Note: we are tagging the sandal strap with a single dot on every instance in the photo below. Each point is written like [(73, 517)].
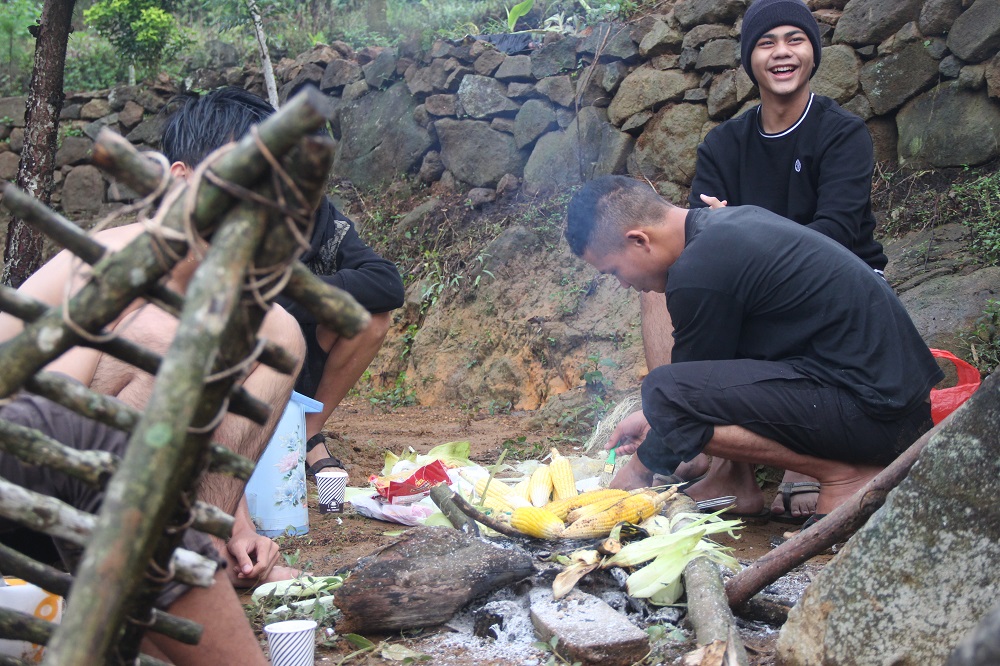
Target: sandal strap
[(322, 464), (314, 441)]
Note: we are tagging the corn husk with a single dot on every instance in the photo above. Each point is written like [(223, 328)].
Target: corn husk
[(665, 570)]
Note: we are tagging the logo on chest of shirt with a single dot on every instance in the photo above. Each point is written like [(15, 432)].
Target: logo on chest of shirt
[(798, 166)]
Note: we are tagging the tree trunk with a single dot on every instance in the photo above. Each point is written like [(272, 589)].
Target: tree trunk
[(265, 55), (23, 252), (375, 15)]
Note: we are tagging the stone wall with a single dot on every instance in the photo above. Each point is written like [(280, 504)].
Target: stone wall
[(633, 98)]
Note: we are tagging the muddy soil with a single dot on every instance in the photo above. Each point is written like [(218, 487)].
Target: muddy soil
[(360, 437)]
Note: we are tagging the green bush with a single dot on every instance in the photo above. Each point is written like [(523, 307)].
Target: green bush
[(91, 63), (16, 45), (979, 201)]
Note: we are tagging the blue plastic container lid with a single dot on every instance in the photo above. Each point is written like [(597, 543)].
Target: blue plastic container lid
[(309, 405)]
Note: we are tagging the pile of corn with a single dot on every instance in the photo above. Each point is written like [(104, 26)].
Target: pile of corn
[(547, 505)]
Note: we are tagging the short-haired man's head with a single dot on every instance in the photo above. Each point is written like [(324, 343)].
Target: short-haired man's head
[(606, 208), (200, 124), (764, 15)]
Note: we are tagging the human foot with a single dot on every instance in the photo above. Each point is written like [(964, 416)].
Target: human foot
[(632, 475), (318, 455), (698, 466), (837, 488), (728, 478), (796, 498)]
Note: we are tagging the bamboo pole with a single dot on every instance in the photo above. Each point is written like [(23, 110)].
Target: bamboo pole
[(130, 273), (837, 526), (160, 441), (18, 626), (243, 404), (58, 519), (111, 412), (50, 579), (31, 446), (332, 307), (707, 607)]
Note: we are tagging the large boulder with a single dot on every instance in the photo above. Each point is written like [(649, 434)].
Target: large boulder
[(871, 21), (837, 76), (923, 571), (12, 110), (588, 148), (646, 88), (937, 16), (476, 153), (554, 58), (533, 120), (975, 34), (944, 307), (668, 148), (949, 126), (485, 97), (83, 190), (690, 13), (890, 81), (379, 137)]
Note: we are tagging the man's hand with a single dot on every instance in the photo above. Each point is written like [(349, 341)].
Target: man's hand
[(629, 434), (713, 202), (251, 558)]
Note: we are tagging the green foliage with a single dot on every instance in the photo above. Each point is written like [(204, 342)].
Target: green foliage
[(16, 44), (983, 341), (91, 63), (517, 11), (592, 375), (979, 200), (400, 395), (554, 656), (143, 32)]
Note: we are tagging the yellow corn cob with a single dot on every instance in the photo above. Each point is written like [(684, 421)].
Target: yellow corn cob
[(562, 507), (541, 486), (499, 490), (536, 522), (604, 504), (632, 509), (521, 489), (563, 483)]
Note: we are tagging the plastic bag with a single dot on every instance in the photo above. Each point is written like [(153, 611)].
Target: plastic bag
[(945, 401)]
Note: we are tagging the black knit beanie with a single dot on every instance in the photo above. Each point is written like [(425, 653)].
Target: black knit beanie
[(764, 15)]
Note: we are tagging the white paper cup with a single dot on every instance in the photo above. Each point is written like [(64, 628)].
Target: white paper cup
[(331, 484), (291, 643)]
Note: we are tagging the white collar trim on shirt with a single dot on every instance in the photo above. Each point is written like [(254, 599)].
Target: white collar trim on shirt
[(790, 129)]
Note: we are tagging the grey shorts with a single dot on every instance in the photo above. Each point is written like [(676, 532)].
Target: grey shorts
[(71, 429), (683, 403)]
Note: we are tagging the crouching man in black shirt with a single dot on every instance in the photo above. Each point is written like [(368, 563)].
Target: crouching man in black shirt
[(788, 349)]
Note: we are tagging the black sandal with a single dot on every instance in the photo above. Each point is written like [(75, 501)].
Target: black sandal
[(322, 463)]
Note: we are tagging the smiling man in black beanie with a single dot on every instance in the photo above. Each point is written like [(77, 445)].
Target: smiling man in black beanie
[(796, 154)]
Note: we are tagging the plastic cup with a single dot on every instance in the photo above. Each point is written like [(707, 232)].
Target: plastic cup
[(331, 484), (291, 643)]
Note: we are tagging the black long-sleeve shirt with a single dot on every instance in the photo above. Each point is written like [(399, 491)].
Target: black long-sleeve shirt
[(752, 285), (817, 173), (339, 257)]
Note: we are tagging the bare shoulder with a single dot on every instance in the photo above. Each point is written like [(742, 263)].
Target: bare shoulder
[(50, 282)]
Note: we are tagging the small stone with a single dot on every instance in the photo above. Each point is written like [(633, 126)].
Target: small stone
[(480, 196)]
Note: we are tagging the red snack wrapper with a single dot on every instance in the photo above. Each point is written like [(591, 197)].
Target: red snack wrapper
[(413, 488)]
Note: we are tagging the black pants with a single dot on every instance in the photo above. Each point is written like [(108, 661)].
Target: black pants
[(685, 401), (71, 429)]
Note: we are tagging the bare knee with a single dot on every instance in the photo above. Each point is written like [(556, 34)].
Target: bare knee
[(281, 328), (379, 327)]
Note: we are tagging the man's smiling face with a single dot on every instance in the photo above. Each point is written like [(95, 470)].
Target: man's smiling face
[(782, 60)]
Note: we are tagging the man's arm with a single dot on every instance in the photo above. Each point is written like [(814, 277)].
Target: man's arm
[(707, 324), (708, 179), (846, 164)]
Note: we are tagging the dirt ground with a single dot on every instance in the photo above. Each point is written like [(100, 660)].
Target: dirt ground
[(362, 434)]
